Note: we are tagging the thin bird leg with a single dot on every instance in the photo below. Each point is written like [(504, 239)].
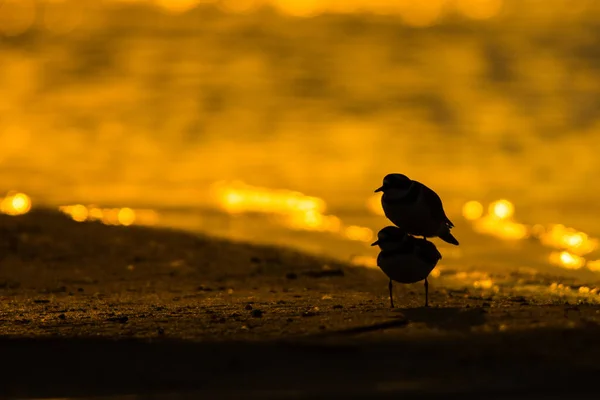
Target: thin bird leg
[(426, 293), (391, 295)]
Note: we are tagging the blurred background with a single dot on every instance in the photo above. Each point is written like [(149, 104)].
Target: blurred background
[(273, 121)]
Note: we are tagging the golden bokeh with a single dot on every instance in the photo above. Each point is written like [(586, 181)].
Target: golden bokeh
[(435, 273), (502, 209), (561, 237), (15, 203), (566, 260), (296, 210), (359, 233), (593, 265), (125, 216), (472, 210), (78, 212), (298, 110), (484, 284)]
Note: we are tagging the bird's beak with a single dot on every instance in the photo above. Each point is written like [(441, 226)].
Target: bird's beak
[(375, 243), (379, 190)]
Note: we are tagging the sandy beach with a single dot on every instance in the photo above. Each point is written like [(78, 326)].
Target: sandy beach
[(94, 310)]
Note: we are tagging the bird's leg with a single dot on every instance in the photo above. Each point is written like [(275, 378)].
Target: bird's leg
[(426, 293), (391, 295)]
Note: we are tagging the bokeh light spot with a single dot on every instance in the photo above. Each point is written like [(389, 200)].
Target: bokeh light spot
[(502, 209), (15, 204), (126, 216)]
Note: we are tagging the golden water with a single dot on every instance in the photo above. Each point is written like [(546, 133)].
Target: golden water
[(276, 124)]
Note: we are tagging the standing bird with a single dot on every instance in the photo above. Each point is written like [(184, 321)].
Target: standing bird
[(415, 208), (405, 259)]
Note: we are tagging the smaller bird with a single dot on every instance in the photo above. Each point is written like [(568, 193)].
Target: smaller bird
[(405, 259), (415, 208)]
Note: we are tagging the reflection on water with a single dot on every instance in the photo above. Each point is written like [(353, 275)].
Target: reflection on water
[(110, 216), (275, 125), (296, 210), (288, 210)]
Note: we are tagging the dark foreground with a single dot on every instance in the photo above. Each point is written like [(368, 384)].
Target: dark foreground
[(90, 310)]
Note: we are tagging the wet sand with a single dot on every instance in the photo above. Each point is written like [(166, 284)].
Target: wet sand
[(94, 310)]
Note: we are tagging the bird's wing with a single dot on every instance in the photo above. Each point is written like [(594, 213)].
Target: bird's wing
[(435, 205), (410, 196)]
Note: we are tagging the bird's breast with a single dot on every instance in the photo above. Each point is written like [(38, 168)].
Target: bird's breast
[(405, 268)]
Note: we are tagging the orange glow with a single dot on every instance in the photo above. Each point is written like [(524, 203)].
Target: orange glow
[(479, 9), (299, 211), (345, 6), (593, 265), (364, 261), (422, 13), (299, 8), (238, 197), (472, 210), (177, 6), (502, 209), (240, 6), (538, 230), (374, 204), (483, 284), (62, 18), (16, 16), (110, 216), (358, 233), (576, 239), (78, 212), (559, 287), (584, 290), (15, 137), (415, 13), (126, 216), (566, 260), (146, 217), (15, 204), (110, 104), (312, 218), (503, 229), (96, 213), (560, 237)]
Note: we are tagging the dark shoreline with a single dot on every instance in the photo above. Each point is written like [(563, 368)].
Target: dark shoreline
[(94, 310), (489, 364)]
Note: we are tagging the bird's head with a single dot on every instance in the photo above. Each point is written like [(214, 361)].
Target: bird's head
[(389, 238), (394, 181)]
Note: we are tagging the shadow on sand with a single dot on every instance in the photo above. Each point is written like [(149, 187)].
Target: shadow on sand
[(533, 363), (458, 319)]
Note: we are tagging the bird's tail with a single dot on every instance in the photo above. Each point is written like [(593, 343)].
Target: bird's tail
[(447, 237)]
